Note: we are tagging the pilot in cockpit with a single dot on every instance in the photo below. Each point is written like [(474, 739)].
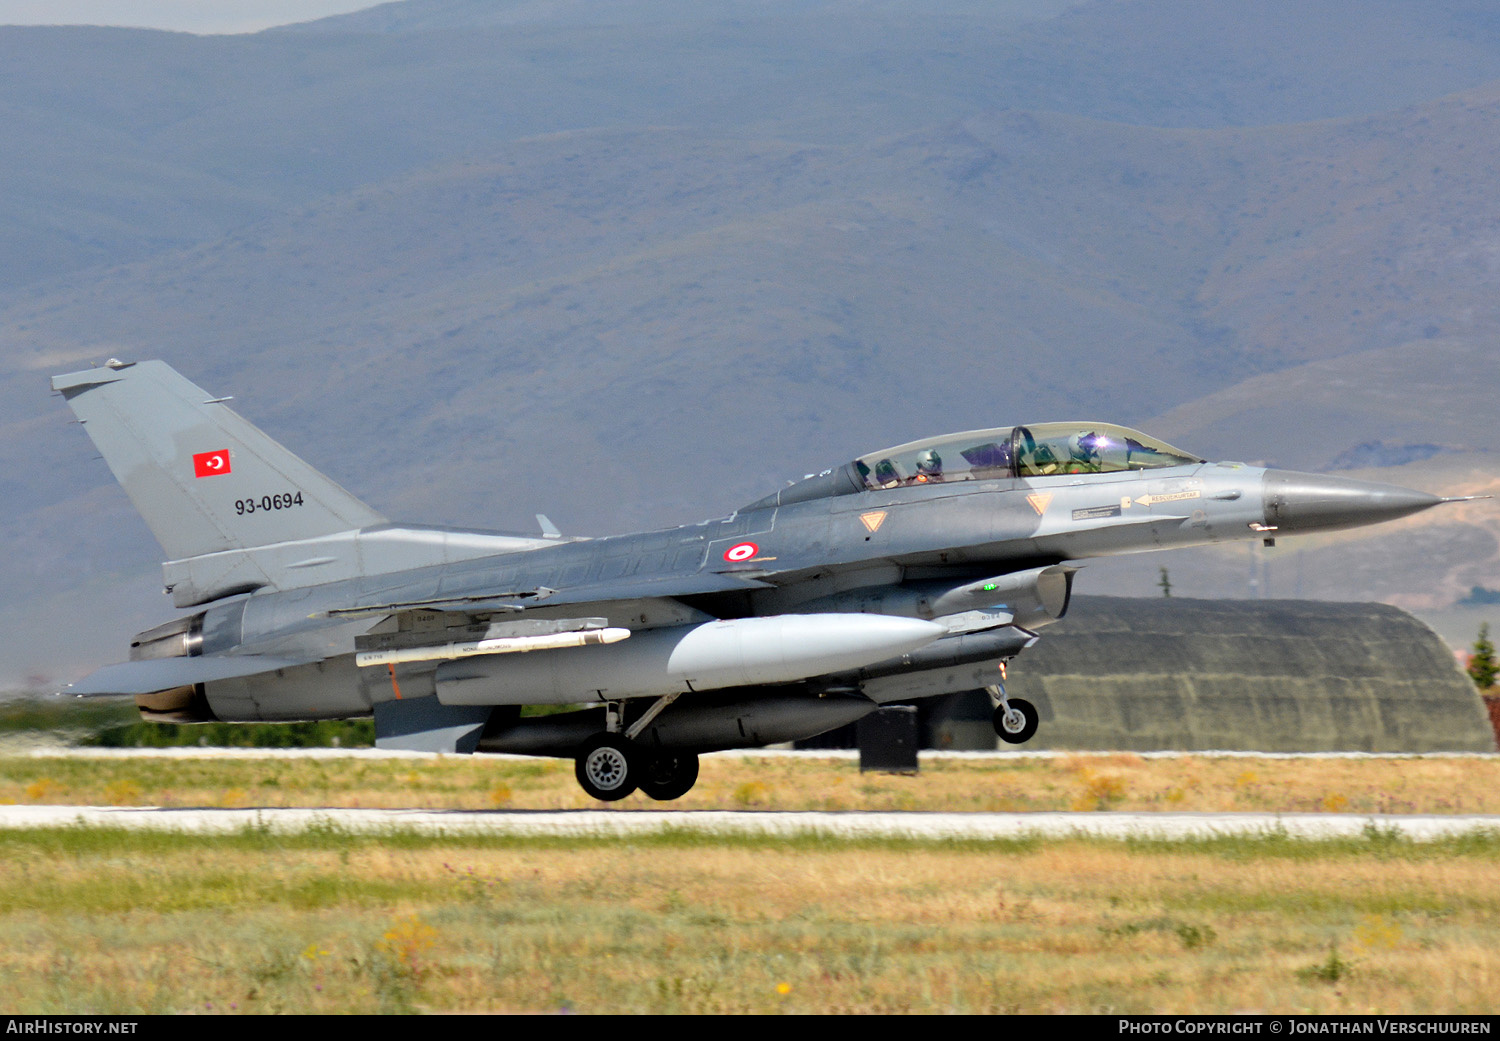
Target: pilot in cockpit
[(1084, 452), (929, 468)]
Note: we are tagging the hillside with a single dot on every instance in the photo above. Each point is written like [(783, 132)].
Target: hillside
[(479, 261)]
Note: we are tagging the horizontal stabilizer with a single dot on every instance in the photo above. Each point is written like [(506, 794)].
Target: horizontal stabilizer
[(157, 674)]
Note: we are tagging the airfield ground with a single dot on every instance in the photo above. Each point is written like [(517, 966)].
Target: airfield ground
[(1205, 783), (94, 920), (101, 920)]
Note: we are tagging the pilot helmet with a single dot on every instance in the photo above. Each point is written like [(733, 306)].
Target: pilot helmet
[(929, 463), (1087, 444)]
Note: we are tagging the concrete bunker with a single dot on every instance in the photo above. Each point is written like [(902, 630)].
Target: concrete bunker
[(1256, 675)]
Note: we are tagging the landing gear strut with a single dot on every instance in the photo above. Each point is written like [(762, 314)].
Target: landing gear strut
[(1015, 719)]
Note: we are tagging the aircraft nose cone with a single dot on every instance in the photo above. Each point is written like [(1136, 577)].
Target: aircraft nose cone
[(1297, 502)]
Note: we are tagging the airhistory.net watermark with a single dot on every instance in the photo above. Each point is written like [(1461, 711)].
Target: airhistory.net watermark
[(60, 1025)]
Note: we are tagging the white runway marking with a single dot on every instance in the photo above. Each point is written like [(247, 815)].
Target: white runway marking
[(609, 823), (601, 822)]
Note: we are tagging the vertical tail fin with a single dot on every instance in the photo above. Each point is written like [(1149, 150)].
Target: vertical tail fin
[(204, 479)]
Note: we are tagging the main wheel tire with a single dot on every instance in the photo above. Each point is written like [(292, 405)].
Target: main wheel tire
[(668, 777), (1019, 726), (607, 767)]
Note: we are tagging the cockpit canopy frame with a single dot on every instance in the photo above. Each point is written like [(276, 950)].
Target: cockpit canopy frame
[(998, 453), (1040, 450)]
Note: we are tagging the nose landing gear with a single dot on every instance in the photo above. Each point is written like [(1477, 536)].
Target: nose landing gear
[(1015, 719)]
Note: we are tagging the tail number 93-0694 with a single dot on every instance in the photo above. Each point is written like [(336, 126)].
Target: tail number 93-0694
[(280, 501)]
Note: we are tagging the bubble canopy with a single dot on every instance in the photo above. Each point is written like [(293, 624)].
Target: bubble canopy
[(1042, 450)]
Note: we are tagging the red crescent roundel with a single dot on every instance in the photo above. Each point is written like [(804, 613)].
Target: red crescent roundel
[(742, 551)]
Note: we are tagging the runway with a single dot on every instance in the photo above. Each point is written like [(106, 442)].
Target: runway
[(852, 824), (621, 823), (52, 748)]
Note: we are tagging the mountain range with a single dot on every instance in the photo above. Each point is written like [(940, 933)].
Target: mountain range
[(635, 264)]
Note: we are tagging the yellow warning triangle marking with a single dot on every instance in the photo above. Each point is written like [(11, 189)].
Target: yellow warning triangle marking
[(872, 521), (1039, 501)]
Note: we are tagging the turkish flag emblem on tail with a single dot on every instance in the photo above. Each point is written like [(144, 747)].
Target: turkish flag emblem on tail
[(211, 464)]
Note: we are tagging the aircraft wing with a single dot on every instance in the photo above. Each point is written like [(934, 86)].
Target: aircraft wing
[(156, 674), (598, 592), (668, 586)]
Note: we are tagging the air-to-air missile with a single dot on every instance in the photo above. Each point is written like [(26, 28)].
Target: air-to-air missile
[(907, 573)]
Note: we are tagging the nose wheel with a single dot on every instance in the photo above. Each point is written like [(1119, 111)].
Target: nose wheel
[(1015, 719)]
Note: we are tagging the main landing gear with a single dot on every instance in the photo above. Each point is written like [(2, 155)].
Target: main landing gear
[(1015, 719), (604, 768), (670, 776), (609, 766)]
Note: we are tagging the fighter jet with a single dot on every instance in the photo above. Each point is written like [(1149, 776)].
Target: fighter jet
[(908, 573)]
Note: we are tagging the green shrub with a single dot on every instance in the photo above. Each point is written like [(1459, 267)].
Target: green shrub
[(326, 733)]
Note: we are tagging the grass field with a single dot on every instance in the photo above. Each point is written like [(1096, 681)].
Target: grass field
[(102, 921), (1080, 782)]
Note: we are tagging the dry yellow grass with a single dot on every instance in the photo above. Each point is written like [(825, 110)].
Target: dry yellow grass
[(93, 921), (99, 922), (1082, 782)]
